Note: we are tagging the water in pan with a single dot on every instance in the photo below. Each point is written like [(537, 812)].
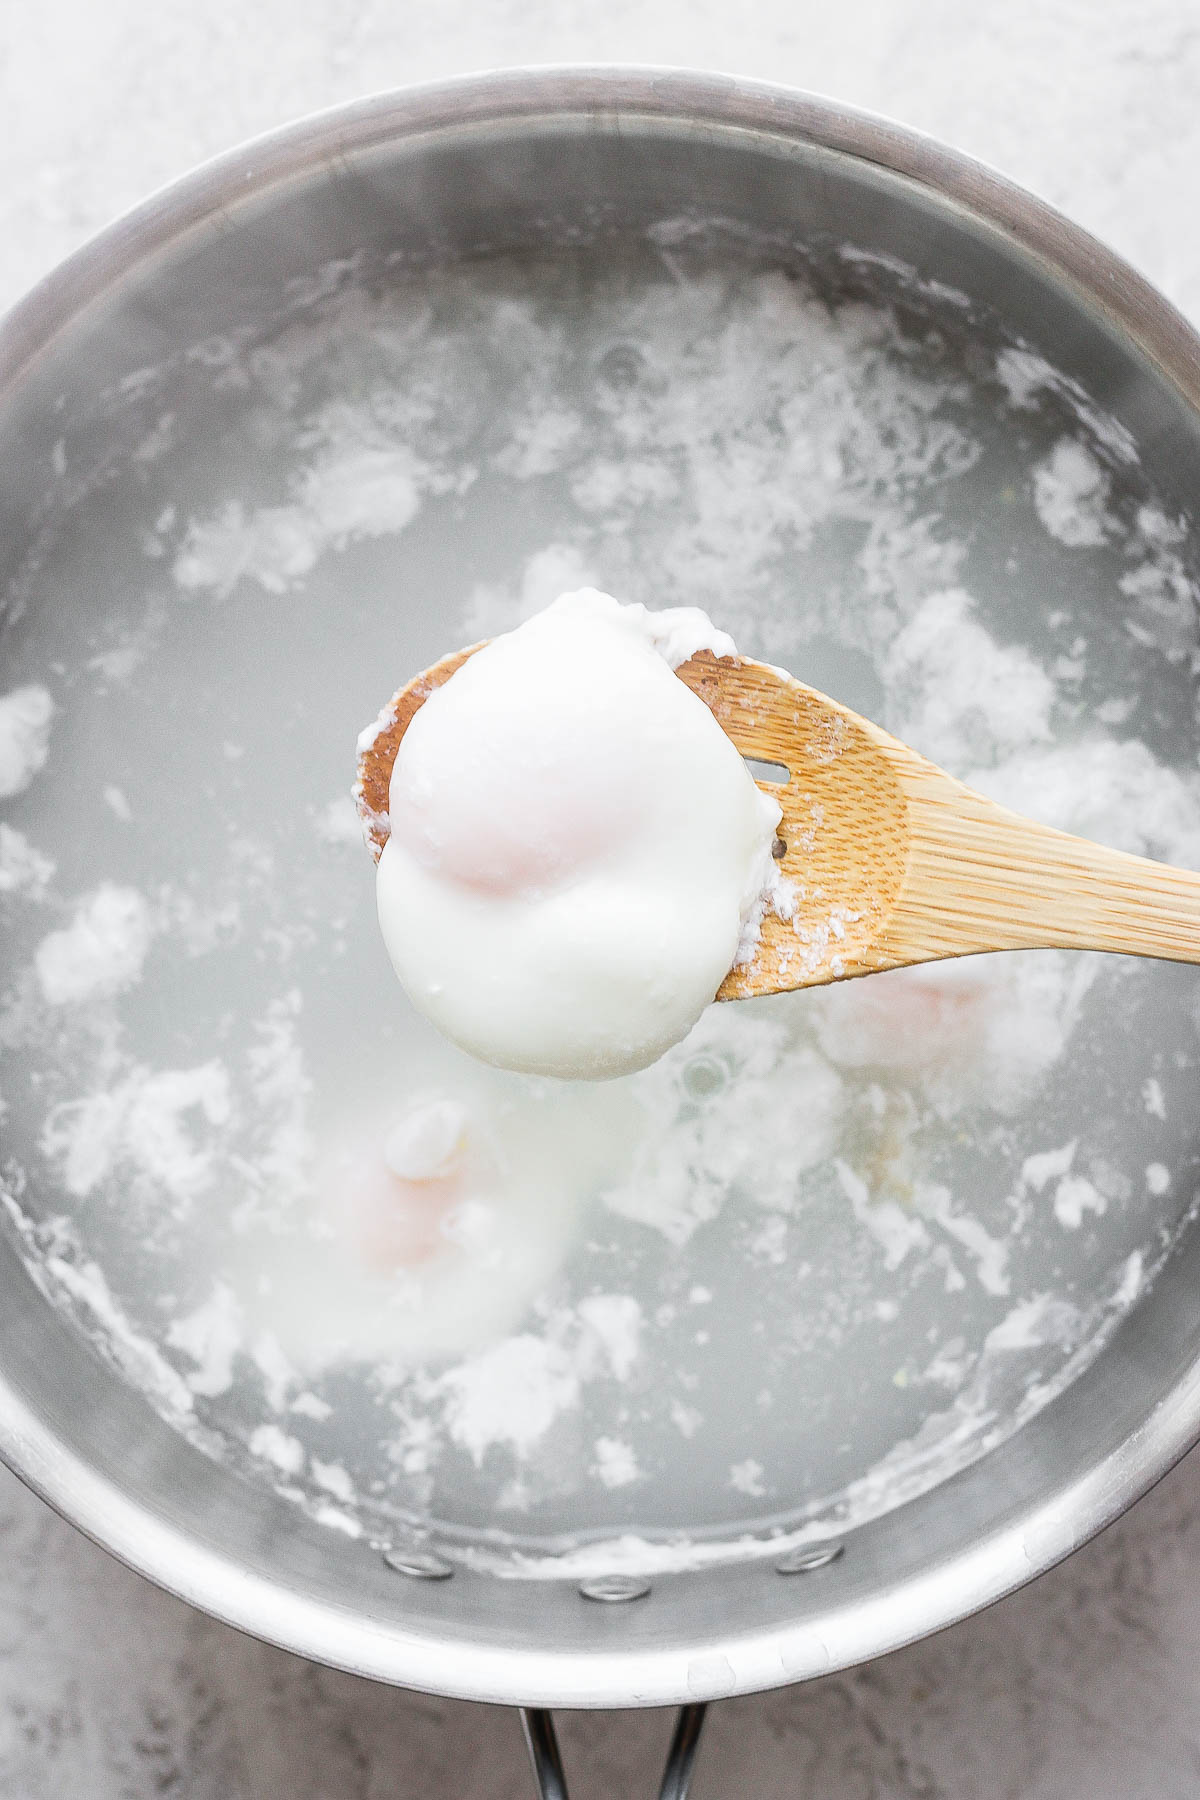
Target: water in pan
[(835, 1244)]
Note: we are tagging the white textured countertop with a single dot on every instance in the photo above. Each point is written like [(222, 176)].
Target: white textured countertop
[(1087, 1684)]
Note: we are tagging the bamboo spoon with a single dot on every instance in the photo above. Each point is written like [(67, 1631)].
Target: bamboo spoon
[(892, 860)]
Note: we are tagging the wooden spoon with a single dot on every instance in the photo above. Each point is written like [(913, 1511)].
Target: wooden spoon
[(892, 860)]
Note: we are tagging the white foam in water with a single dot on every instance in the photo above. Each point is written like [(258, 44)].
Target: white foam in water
[(955, 691), (1074, 1196), (615, 1464), (350, 491), (898, 1214), (25, 716), (100, 952), (22, 867), (509, 1394), (210, 1338), (1070, 491), (158, 1125)]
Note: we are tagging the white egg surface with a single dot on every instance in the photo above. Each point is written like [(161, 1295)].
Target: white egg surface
[(575, 843)]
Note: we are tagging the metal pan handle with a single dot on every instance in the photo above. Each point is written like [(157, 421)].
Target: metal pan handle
[(542, 1739)]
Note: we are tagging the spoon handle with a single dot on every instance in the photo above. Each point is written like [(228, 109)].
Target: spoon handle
[(982, 878)]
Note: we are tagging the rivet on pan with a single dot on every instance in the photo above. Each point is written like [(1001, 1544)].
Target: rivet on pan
[(803, 1562), (421, 1565), (613, 1589)]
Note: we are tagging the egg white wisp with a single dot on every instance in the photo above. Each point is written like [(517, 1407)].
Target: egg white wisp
[(575, 846)]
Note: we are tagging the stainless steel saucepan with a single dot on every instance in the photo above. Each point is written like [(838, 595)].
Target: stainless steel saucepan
[(408, 187)]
